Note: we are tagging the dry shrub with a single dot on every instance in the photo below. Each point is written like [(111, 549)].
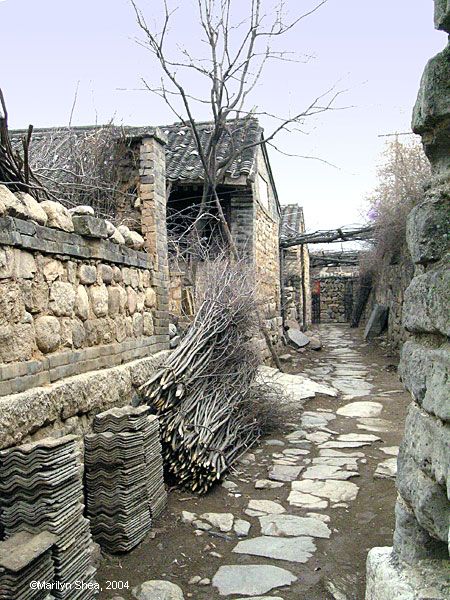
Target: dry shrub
[(401, 177)]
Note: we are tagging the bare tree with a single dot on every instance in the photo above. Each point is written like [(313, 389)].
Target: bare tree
[(237, 54)]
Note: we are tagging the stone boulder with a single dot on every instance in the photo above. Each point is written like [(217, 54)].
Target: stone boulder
[(11, 205), (314, 343), (58, 215), (296, 338), (132, 238), (115, 236), (35, 211), (158, 590), (89, 226), (48, 333), (82, 210)]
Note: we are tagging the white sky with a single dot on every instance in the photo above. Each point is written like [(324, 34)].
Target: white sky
[(375, 50)]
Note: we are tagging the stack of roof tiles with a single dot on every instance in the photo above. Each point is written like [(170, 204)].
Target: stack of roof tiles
[(26, 558), (124, 479), (41, 490)]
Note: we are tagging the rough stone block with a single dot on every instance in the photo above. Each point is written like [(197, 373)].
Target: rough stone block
[(132, 300), (387, 578), (433, 108), (62, 298), (150, 298), (411, 542), (121, 328), (426, 497), (106, 273), (35, 211), (99, 299), (12, 205), (52, 269), (442, 15), (48, 332), (427, 299), (425, 372), (89, 226), (82, 303), (12, 307), (138, 324), (428, 228), (17, 342), (87, 274), (7, 263), (58, 215), (35, 295), (427, 441)]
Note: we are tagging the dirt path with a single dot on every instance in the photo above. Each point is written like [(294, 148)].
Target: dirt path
[(336, 493)]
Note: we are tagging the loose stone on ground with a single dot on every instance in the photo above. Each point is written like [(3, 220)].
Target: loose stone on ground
[(251, 579), (335, 491), (158, 590), (285, 472), (292, 525), (386, 469), (259, 508), (295, 549), (360, 409)]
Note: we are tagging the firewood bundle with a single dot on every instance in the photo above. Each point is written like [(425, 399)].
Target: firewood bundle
[(203, 393)]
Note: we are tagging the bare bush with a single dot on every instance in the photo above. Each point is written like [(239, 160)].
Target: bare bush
[(80, 166), (401, 177)]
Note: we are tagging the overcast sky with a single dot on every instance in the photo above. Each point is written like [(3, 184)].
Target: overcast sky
[(374, 50)]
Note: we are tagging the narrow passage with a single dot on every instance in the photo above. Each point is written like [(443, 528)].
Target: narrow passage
[(297, 518)]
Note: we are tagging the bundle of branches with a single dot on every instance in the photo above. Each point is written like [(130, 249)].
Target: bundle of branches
[(15, 170), (208, 410)]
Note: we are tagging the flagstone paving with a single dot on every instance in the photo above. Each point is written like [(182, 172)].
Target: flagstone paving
[(294, 521)]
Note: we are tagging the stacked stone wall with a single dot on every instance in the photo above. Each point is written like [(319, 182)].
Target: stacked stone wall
[(79, 308), (421, 535), (266, 262), (296, 268), (333, 290), (389, 289)]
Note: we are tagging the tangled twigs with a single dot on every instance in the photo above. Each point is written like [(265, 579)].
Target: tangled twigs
[(15, 170), (204, 395)]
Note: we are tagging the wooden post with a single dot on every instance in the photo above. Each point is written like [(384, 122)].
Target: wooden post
[(304, 312)]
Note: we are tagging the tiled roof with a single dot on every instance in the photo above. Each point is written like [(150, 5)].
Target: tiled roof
[(292, 220), (182, 160)]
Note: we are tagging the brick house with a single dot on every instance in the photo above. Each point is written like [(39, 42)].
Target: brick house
[(165, 160)]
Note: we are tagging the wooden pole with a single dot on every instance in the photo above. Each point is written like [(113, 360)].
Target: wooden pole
[(302, 262)]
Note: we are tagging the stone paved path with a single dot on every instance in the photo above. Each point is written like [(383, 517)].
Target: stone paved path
[(298, 516)]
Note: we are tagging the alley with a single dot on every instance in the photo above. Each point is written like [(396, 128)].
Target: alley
[(297, 518)]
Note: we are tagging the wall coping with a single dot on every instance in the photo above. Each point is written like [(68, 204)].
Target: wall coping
[(31, 236)]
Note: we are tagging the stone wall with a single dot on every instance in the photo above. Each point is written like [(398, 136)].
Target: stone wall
[(266, 262), (297, 284), (336, 294), (421, 535), (389, 288), (78, 295)]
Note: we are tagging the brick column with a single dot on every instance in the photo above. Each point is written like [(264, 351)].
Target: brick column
[(152, 193)]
